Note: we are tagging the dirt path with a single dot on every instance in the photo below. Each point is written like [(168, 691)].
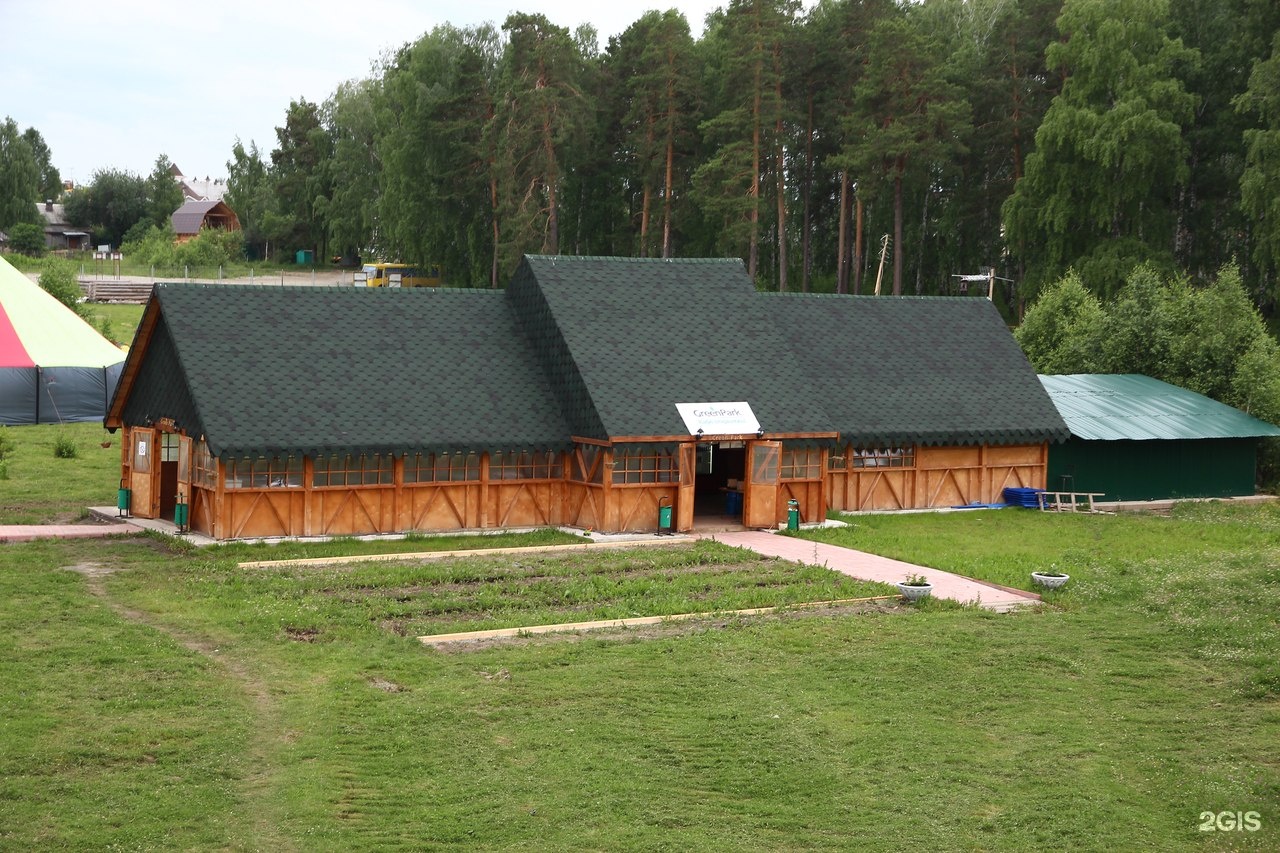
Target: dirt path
[(268, 737)]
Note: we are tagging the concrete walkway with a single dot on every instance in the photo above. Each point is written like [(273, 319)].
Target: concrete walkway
[(28, 532), (869, 567)]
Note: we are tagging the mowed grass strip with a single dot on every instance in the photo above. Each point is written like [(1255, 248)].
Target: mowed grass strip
[(1111, 720)]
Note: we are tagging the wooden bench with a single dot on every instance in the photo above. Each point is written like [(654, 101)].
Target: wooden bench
[(1057, 501)]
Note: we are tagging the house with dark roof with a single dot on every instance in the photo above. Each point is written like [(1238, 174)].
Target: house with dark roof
[(591, 392), (194, 215), (59, 233), (1137, 438)]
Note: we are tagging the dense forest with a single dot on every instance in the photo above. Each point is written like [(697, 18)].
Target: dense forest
[(855, 142), (1032, 136)]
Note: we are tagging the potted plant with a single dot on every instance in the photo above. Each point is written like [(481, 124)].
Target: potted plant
[(1051, 579), (915, 587)]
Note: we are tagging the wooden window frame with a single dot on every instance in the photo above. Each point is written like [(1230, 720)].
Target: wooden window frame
[(512, 465), (801, 463), (646, 467), (586, 465), (428, 468), (262, 473), (876, 458), (352, 471), (204, 468)]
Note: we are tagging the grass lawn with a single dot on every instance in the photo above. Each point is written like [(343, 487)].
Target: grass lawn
[(159, 696), (121, 320), (37, 487)]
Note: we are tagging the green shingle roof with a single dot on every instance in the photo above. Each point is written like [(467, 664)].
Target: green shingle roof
[(1106, 407), (315, 370), (596, 347), (927, 370), (626, 339)]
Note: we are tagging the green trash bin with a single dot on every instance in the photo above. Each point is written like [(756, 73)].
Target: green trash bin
[(793, 514), (664, 516), (180, 513), (123, 496)]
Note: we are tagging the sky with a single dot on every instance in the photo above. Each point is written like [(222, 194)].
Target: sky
[(115, 85)]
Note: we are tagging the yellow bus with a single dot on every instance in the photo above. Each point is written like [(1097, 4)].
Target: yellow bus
[(400, 275)]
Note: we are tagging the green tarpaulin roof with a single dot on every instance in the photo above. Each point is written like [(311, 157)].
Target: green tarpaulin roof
[(1118, 407)]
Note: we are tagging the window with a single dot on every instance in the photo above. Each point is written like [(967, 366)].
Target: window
[(141, 454), (632, 467), (441, 467), (802, 464), (525, 465), (353, 471), (168, 447), (585, 464), (206, 467), (263, 473), (883, 457)]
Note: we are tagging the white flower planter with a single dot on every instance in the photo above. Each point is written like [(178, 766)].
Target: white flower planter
[(915, 592), (1049, 581)]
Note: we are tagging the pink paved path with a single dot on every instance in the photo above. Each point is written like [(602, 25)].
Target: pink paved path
[(869, 567), (27, 532)]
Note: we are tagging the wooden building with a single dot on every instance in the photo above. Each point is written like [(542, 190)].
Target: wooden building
[(194, 215), (591, 392)]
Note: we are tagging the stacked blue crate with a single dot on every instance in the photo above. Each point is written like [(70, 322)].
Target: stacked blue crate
[(1029, 498)]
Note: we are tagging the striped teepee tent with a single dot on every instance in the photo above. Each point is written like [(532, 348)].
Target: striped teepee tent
[(54, 367)]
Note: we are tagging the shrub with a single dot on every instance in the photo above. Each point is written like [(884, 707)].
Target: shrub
[(59, 281), (209, 248), (64, 447), (6, 443), (27, 238), (103, 325)]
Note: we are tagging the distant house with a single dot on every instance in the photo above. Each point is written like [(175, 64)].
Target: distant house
[(58, 232), (592, 392), (194, 215), (1137, 438), (199, 189)]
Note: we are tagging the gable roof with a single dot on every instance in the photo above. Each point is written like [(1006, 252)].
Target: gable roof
[(1111, 407), (188, 218), (626, 339), (926, 370), (318, 370), (598, 348)]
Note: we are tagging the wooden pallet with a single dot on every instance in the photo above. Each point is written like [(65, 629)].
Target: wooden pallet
[(1068, 501)]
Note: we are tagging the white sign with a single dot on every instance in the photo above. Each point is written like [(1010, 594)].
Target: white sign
[(718, 418)]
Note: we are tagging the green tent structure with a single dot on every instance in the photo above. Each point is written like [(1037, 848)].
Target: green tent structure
[(1137, 438), (54, 367)]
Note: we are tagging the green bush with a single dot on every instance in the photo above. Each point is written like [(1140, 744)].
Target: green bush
[(59, 280), (64, 447), (27, 238), (212, 247), (6, 443)]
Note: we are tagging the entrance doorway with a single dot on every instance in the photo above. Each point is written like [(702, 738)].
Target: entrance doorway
[(168, 474), (720, 482)]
